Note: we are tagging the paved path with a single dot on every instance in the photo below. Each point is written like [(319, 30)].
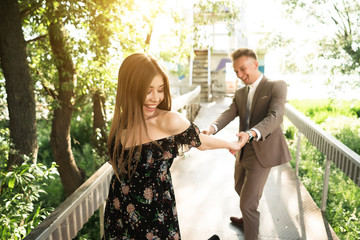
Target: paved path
[(203, 182)]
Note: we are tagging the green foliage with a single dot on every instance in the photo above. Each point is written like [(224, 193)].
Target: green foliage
[(340, 44), (21, 188), (3, 103), (341, 120), (343, 207), (45, 155), (4, 136), (290, 132), (91, 229), (54, 193), (207, 12), (84, 152), (321, 109), (346, 129)]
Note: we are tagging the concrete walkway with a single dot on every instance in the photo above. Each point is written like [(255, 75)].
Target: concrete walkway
[(203, 182)]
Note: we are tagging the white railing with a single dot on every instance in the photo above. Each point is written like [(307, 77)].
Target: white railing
[(335, 151), (74, 212)]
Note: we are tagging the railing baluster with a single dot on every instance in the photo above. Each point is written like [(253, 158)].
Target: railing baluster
[(298, 152), (101, 216), (326, 184)]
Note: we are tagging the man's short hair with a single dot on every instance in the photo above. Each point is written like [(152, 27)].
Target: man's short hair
[(243, 52)]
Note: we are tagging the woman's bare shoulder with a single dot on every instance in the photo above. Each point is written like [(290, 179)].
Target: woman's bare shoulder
[(173, 122)]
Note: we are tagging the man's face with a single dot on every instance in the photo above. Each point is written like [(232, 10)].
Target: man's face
[(246, 68)]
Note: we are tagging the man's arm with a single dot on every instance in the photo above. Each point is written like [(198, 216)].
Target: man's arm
[(227, 116), (224, 119)]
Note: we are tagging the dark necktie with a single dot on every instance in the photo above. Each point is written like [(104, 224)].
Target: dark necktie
[(247, 115)]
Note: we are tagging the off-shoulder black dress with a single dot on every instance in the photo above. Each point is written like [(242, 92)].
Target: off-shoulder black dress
[(144, 207)]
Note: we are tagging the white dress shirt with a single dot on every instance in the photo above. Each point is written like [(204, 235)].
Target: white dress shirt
[(249, 102)]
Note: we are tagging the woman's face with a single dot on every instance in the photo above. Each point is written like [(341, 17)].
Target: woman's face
[(155, 95)]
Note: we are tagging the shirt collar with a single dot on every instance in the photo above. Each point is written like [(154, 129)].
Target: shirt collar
[(256, 83)]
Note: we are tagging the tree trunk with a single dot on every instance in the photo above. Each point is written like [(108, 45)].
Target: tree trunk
[(60, 140), (99, 124), (19, 85)]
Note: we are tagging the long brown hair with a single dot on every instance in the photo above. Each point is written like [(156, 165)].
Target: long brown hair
[(128, 124)]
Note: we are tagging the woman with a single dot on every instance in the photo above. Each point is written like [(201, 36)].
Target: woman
[(144, 140)]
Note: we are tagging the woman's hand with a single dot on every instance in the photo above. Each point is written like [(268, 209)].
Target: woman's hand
[(235, 147)]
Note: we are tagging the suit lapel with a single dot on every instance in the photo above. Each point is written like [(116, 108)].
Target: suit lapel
[(259, 89)]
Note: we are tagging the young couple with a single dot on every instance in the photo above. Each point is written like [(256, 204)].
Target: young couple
[(145, 137)]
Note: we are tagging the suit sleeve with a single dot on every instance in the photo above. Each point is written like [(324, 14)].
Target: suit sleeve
[(275, 112), (227, 116)]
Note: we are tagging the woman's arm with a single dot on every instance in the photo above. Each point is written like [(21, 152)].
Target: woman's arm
[(176, 123), (211, 142)]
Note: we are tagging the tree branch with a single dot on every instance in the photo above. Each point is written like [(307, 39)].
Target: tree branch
[(51, 92), (347, 18), (37, 38), (25, 12)]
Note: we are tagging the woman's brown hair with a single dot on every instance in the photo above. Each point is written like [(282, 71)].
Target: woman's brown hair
[(128, 125)]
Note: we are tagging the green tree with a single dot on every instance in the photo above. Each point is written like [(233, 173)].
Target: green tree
[(72, 47), (70, 174), (65, 78), (341, 19), (19, 84), (207, 12)]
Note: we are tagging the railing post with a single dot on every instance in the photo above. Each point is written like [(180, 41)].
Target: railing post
[(191, 70), (326, 185), (101, 216), (298, 151), (209, 75)]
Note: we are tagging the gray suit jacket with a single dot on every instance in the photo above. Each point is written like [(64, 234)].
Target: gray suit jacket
[(266, 115)]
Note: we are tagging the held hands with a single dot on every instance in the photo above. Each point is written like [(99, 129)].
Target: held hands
[(243, 138), (234, 147)]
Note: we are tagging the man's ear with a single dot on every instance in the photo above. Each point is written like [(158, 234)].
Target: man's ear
[(256, 64)]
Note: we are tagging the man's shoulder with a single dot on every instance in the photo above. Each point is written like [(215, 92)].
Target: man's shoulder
[(240, 89), (272, 81)]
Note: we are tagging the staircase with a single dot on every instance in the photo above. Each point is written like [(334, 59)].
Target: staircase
[(200, 74)]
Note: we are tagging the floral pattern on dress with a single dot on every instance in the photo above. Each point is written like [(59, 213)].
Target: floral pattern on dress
[(145, 207)]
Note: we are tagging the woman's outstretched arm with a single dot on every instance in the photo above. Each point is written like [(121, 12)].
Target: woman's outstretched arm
[(211, 142)]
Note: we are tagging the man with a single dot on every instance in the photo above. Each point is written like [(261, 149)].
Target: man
[(260, 106)]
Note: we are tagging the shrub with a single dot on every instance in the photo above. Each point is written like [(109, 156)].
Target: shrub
[(321, 109), (345, 129), (20, 191)]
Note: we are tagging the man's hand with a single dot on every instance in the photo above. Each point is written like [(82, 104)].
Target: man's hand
[(243, 138), (210, 131)]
